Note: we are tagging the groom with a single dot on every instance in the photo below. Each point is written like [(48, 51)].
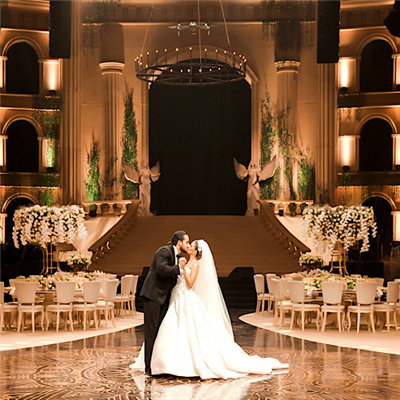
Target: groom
[(156, 290)]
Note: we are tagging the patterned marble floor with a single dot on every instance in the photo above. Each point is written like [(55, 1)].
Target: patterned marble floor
[(97, 368)]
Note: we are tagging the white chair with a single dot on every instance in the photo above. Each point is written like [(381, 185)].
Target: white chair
[(65, 293), (332, 293), (270, 287), (297, 297), (365, 292), (6, 308), (91, 291), (389, 306), (107, 305), (379, 281), (26, 295), (281, 305), (262, 297), (133, 294), (123, 300)]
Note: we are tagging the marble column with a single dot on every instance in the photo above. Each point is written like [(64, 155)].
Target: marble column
[(113, 117), (143, 129), (72, 183), (287, 93), (326, 155)]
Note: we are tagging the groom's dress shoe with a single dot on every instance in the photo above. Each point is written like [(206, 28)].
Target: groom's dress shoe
[(147, 370)]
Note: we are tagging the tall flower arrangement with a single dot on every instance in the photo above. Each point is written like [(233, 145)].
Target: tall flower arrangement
[(347, 225), (45, 225)]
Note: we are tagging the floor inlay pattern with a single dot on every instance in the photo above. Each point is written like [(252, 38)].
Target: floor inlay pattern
[(98, 368)]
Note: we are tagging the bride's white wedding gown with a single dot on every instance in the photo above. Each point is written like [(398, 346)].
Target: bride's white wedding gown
[(190, 342)]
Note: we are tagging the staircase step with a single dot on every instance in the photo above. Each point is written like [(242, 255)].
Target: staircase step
[(236, 241)]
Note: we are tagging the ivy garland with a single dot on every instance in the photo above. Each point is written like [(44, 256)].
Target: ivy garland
[(47, 113), (92, 183), (273, 133), (129, 143), (94, 14)]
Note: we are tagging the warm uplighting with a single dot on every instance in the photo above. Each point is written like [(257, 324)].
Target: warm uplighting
[(2, 71), (51, 76), (3, 139), (396, 70), (347, 73), (347, 152), (396, 226), (396, 149)]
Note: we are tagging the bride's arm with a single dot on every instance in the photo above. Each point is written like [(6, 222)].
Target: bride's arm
[(191, 279)]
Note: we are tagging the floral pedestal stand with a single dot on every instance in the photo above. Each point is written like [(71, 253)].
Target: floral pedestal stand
[(48, 260), (339, 254)]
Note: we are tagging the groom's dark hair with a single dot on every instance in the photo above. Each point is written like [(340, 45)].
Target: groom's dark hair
[(177, 237)]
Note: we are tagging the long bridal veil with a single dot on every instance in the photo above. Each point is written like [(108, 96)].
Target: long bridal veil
[(208, 290)]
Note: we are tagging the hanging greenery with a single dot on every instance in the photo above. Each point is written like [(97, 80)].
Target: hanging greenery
[(274, 135), (47, 113), (306, 178), (110, 180), (129, 144), (290, 23), (94, 14), (92, 183)]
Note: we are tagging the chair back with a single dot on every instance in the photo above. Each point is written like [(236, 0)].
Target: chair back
[(269, 283), (110, 289), (26, 292), (134, 284), (91, 291), (296, 291), (65, 291), (366, 292), (392, 292), (126, 284), (332, 292), (285, 287), (259, 283), (1, 292), (276, 283), (380, 281)]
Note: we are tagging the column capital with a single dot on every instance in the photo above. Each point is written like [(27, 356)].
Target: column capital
[(111, 67), (287, 66)]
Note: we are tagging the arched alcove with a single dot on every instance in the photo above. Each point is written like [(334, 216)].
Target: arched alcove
[(195, 132), (380, 246), (14, 205), (22, 147), (376, 146), (376, 67), (22, 69)]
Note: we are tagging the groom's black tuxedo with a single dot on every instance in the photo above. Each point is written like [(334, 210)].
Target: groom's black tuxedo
[(156, 293)]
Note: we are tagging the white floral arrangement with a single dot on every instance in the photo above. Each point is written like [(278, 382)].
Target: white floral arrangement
[(79, 259), (310, 259), (44, 225), (347, 225)]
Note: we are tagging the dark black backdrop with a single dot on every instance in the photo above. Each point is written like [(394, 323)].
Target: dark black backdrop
[(195, 132)]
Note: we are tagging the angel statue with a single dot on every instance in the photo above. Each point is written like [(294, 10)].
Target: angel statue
[(254, 175), (144, 178)]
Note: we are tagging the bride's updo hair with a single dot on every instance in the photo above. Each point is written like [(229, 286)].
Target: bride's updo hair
[(199, 251)]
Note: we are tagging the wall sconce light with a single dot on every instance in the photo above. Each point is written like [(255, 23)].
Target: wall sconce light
[(347, 152), (347, 70), (396, 226), (51, 75), (396, 150), (396, 70)]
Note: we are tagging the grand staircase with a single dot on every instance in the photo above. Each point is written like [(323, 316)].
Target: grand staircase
[(241, 246), (236, 241)]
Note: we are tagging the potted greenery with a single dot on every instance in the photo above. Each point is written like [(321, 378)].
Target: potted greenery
[(302, 207), (281, 209), (93, 210), (272, 205), (292, 209), (105, 208)]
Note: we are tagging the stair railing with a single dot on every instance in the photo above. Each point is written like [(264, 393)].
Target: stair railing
[(283, 235), (106, 243)]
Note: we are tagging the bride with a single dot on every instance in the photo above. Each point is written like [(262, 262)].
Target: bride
[(195, 337)]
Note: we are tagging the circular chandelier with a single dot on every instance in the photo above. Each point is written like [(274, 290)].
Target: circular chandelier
[(192, 65)]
